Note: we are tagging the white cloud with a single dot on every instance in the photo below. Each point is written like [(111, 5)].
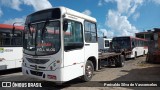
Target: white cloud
[(36, 4), (119, 24), (124, 6), (11, 21), (128, 6), (100, 3), (87, 12), (102, 32), (136, 16), (156, 1), (117, 20), (135, 5), (14, 4), (1, 12), (105, 32)]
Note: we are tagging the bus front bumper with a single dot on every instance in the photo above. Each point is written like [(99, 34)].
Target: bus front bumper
[(47, 75)]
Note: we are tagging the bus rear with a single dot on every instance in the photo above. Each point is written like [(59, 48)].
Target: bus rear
[(136, 46)]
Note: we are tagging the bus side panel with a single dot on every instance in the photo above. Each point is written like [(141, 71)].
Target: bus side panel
[(73, 64), (91, 50), (139, 50), (73, 71), (12, 57)]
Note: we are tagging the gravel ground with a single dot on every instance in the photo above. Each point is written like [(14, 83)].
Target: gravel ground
[(134, 70)]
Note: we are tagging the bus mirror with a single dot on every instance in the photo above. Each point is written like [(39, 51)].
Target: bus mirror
[(13, 30), (65, 25)]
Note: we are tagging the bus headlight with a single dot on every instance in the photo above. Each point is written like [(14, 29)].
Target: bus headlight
[(54, 65)]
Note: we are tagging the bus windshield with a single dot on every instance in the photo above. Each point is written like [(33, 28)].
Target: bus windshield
[(42, 38), (121, 43)]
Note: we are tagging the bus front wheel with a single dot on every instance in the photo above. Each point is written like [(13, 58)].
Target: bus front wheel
[(89, 69)]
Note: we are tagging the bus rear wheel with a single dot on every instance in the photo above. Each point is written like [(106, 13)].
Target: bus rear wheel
[(120, 62), (135, 55), (89, 69)]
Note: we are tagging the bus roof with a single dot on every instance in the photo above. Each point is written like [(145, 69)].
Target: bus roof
[(77, 14), (65, 10), (7, 26)]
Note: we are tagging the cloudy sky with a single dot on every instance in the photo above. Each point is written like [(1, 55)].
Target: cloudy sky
[(114, 17)]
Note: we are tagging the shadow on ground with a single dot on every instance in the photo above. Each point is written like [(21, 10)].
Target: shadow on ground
[(10, 71)]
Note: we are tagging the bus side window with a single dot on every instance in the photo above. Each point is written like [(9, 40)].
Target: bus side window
[(73, 35), (5, 38), (17, 39), (90, 32)]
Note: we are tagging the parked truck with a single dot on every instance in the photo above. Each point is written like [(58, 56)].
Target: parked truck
[(153, 55), (104, 44)]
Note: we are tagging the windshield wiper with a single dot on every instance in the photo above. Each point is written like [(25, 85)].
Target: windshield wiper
[(44, 29)]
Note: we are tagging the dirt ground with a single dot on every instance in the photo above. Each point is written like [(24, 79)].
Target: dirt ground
[(134, 70)]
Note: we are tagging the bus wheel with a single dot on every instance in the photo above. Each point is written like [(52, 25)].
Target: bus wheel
[(88, 71), (120, 62), (143, 53), (135, 55)]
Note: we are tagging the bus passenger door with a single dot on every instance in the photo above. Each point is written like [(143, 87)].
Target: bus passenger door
[(73, 50), (91, 44)]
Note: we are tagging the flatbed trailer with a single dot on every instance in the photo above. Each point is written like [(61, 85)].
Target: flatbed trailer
[(111, 58)]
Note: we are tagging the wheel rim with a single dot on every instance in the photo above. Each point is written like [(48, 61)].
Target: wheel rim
[(89, 71)]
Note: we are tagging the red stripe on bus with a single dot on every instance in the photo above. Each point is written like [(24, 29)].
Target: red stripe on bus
[(7, 26)]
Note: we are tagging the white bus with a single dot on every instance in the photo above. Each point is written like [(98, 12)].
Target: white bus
[(137, 46), (104, 43), (60, 44), (10, 46)]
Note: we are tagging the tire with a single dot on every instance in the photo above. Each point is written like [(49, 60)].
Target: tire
[(143, 53), (120, 62), (135, 55), (89, 69)]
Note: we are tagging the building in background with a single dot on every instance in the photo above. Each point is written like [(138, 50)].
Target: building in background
[(145, 35), (154, 47)]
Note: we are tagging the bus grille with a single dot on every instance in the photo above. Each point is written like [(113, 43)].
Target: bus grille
[(37, 61), (36, 73)]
